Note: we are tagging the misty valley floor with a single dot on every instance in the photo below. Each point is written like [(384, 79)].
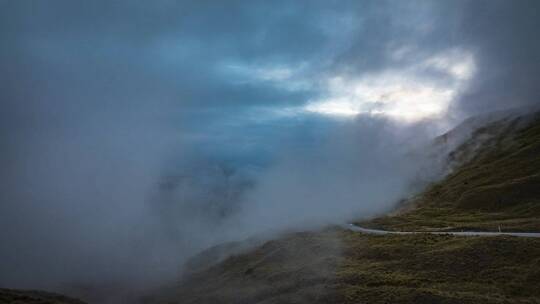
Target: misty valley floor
[(337, 266)]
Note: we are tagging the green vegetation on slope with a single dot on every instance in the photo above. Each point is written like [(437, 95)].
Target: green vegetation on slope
[(346, 267), (499, 186), (428, 268)]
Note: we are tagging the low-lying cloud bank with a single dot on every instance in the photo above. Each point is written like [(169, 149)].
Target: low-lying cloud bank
[(134, 135)]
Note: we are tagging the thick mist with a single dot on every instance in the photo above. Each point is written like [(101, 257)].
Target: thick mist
[(134, 135), (358, 169)]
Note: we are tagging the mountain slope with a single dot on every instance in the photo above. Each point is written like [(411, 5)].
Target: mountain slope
[(297, 268), (496, 183), (336, 266), (493, 181)]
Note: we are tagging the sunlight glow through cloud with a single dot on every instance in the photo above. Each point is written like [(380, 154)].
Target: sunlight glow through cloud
[(407, 92), (402, 93)]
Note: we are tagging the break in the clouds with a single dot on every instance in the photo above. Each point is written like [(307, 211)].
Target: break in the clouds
[(136, 133), (409, 92)]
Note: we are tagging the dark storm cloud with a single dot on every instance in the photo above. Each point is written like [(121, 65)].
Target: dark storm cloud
[(505, 38), (168, 52)]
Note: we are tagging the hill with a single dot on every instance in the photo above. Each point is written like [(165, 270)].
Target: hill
[(493, 180), (336, 266), (12, 296), (495, 183)]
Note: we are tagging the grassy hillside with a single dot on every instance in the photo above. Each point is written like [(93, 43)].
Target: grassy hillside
[(496, 183), (338, 266), (439, 269)]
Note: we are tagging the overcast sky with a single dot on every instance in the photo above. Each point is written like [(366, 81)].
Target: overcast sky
[(238, 70)]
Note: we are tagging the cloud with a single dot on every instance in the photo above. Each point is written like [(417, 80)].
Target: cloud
[(502, 35), (407, 93), (123, 123)]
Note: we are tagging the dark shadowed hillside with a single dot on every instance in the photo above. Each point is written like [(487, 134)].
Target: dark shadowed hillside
[(11, 296), (297, 268)]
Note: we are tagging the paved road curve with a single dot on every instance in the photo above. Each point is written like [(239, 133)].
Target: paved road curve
[(356, 228)]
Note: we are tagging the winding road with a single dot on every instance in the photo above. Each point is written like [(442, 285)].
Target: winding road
[(356, 228)]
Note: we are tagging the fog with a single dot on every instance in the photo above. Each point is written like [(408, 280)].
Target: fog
[(135, 134)]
